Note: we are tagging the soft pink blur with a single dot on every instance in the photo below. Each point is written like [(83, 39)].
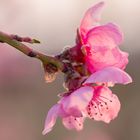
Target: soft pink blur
[(25, 98)]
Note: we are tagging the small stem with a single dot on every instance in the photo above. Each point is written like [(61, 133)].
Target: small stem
[(5, 38), (24, 39)]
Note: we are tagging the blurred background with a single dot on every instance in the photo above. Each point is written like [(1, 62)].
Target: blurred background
[(25, 98)]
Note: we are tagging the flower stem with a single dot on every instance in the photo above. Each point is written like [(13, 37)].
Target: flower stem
[(5, 38)]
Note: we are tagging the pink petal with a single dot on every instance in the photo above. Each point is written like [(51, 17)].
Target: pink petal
[(109, 74), (104, 57), (73, 123), (108, 35), (77, 101), (51, 119), (105, 105), (91, 17)]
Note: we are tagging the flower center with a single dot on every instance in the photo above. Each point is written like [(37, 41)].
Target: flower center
[(98, 106)]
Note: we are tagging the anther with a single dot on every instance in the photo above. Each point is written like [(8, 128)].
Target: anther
[(91, 103), (89, 113)]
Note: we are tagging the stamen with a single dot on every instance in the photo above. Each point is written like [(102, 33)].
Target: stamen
[(101, 105), (99, 110), (100, 100), (105, 98), (78, 122), (89, 113)]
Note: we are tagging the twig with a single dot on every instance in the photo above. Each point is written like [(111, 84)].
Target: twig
[(15, 41)]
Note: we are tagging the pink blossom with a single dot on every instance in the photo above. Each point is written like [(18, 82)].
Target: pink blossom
[(100, 43), (105, 57), (94, 102), (69, 121), (69, 108), (104, 105), (96, 59)]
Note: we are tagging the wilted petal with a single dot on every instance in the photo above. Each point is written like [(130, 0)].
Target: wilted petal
[(50, 77), (91, 18), (109, 75), (104, 57), (104, 105), (73, 123), (77, 101), (108, 35), (51, 119)]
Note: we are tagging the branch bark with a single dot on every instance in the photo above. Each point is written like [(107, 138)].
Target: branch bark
[(15, 41)]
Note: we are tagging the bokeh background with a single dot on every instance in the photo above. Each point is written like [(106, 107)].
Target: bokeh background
[(25, 98)]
